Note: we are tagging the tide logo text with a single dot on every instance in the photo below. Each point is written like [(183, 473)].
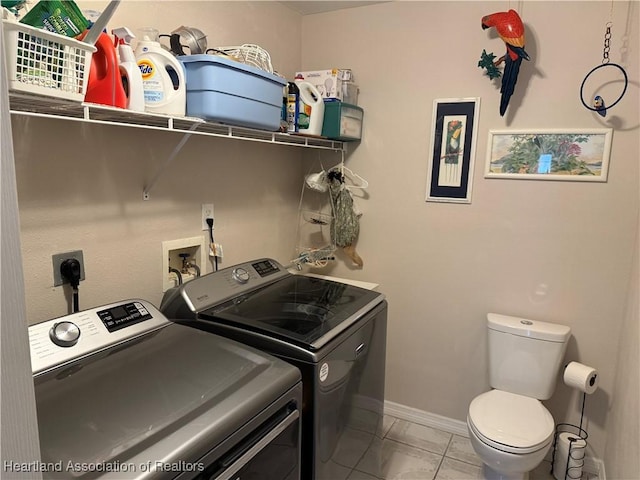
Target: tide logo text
[(146, 68)]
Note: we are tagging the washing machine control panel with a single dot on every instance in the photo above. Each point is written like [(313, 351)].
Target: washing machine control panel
[(265, 267), (64, 334), (240, 275), (215, 288), (62, 340), (124, 315)]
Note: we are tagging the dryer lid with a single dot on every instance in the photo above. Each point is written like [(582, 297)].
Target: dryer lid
[(171, 394), (511, 420)]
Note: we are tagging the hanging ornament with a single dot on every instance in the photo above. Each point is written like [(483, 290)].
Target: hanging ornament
[(346, 219), (510, 28), (598, 104)]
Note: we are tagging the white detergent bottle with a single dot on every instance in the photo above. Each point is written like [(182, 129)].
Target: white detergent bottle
[(129, 71), (163, 77), (311, 110)]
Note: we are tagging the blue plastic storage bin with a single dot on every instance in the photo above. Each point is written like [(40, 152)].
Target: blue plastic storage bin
[(226, 91)]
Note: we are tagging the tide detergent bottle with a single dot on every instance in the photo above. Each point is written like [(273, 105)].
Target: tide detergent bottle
[(163, 77), (130, 74)]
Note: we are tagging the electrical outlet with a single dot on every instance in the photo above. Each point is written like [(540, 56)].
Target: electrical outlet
[(207, 212), (57, 260)]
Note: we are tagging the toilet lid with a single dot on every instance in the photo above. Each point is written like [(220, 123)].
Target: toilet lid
[(511, 422)]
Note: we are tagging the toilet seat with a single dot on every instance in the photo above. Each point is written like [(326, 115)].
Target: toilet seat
[(510, 422)]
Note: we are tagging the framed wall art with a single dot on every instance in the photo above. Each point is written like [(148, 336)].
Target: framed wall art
[(452, 150), (561, 154)]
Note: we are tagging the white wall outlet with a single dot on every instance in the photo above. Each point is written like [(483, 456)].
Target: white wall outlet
[(196, 247), (207, 212)]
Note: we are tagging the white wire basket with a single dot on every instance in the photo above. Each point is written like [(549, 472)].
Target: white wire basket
[(46, 63), (314, 244), (249, 54)]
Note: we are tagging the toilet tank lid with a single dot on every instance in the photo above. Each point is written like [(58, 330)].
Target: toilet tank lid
[(551, 332)]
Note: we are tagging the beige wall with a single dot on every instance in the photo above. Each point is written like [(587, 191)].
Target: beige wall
[(547, 250), (80, 186), (621, 454), (555, 251)]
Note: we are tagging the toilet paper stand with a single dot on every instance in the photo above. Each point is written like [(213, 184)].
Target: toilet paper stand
[(571, 458)]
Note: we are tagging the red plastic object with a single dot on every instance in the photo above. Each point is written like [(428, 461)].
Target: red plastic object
[(105, 83)]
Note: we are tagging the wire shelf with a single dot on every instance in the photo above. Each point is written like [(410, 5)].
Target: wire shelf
[(49, 107)]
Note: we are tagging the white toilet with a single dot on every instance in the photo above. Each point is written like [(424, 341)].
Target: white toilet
[(509, 428)]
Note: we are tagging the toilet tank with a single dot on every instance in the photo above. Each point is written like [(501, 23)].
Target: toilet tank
[(525, 355)]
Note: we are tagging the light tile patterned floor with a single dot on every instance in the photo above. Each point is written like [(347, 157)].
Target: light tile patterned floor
[(416, 452)]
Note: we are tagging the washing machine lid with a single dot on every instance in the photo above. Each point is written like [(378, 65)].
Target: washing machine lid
[(304, 311), (169, 395), (511, 422)]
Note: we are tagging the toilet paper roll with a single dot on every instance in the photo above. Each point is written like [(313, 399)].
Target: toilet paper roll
[(578, 446), (582, 377)]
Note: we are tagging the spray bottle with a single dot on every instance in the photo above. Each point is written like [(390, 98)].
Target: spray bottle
[(293, 99), (129, 72), (163, 76)]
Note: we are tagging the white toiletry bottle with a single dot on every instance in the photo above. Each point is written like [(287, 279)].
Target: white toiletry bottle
[(129, 71), (311, 110)]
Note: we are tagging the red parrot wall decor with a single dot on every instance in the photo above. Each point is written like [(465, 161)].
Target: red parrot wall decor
[(510, 28)]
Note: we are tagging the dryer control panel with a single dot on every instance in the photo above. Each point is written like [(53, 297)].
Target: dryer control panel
[(218, 287), (61, 340)]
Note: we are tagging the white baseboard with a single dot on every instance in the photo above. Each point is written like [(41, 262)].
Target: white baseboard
[(595, 466), (425, 418), (592, 465)]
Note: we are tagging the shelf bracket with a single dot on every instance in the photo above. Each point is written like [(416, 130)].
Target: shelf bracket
[(167, 162)]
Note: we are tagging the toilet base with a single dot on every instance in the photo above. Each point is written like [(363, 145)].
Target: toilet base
[(500, 465), (490, 474)]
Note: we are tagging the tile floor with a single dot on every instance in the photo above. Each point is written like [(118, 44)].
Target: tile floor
[(416, 452)]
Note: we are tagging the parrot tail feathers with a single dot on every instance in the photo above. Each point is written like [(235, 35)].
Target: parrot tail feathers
[(509, 79)]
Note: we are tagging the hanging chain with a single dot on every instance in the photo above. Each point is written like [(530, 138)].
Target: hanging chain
[(607, 44)]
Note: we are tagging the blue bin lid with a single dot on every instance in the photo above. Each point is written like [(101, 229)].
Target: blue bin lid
[(226, 62)]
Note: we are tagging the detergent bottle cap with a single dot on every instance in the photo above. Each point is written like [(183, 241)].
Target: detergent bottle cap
[(149, 34)]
